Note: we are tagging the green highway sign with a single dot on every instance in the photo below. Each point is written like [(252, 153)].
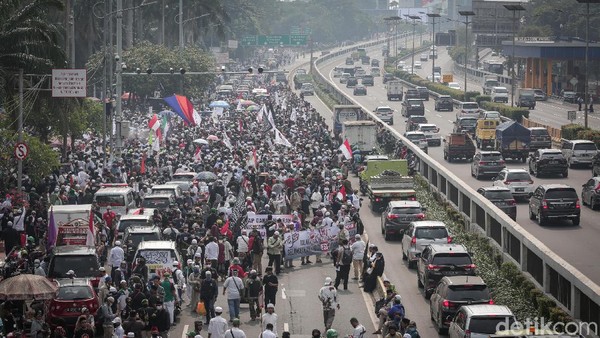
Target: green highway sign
[(275, 40), (297, 30)]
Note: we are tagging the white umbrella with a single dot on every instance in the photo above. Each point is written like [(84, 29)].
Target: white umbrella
[(200, 141)]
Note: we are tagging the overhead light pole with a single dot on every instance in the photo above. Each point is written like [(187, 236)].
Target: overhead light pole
[(433, 16), (587, 48), (466, 14), (513, 8), (394, 21), (414, 18)]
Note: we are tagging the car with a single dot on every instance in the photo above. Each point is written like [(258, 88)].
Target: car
[(423, 93), (424, 57), (487, 163), (517, 180), (418, 138), (300, 71), (412, 122), (578, 152), (83, 260), (547, 162), (359, 72), (385, 113), (375, 71), (337, 72), (158, 201), (412, 107), (72, 296), (398, 215), (387, 77), (142, 218), (420, 234), (502, 198), (554, 201), (499, 94), (359, 90), (412, 93), (540, 138), (454, 85), (344, 78), (540, 95), (590, 194), (440, 260), (432, 133), (596, 165), (307, 89), (481, 321), (351, 82), (368, 80), (417, 64), (400, 64), (490, 115), (469, 109), (444, 102), (374, 63), (349, 61), (465, 124), (134, 235), (569, 96), (453, 292)]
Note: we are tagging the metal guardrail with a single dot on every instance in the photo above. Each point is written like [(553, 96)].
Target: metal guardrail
[(575, 292)]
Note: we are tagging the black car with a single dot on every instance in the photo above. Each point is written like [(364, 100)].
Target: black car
[(502, 198), (413, 122), (554, 201), (444, 102), (349, 61), (368, 80), (374, 63), (540, 139), (596, 165), (423, 93), (440, 260), (351, 82), (388, 77), (547, 162), (413, 107), (466, 124), (412, 94), (590, 194), (359, 90)]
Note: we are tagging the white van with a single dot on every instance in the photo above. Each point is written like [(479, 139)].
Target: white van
[(120, 199), (64, 214), (129, 220), (159, 256), (172, 189), (480, 321), (578, 152)]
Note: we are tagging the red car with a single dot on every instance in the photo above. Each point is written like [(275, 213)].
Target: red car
[(72, 296)]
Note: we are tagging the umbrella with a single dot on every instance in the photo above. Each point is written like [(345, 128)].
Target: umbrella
[(26, 287), (128, 96), (253, 108), (169, 113), (221, 104), (212, 138), (200, 141), (206, 176), (247, 103)]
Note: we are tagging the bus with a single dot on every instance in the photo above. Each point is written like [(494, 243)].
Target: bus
[(493, 66)]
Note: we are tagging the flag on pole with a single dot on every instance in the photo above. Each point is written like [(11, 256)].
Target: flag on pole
[(90, 239), (52, 231), (270, 119), (294, 115), (143, 164), (197, 117), (164, 127), (261, 113), (225, 228), (239, 105), (154, 123), (346, 149), (280, 139), (156, 143), (198, 154), (341, 195), (227, 141)]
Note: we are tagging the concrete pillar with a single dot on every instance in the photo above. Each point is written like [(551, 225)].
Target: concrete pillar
[(534, 72), (549, 77)]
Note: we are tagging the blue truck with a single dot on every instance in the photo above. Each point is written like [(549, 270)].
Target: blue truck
[(512, 140)]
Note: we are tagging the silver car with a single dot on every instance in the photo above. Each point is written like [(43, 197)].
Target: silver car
[(420, 234)]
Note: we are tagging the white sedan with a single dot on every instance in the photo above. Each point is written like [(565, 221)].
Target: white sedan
[(454, 85), (517, 180)]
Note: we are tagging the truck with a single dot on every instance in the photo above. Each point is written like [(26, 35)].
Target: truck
[(458, 146), (300, 79), (512, 140), (390, 186), (526, 98), (489, 82), (394, 90), (485, 133), (343, 113), (362, 135), (373, 168)]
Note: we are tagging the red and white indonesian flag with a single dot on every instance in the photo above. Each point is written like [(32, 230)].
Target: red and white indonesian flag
[(90, 238), (198, 154), (346, 149), (154, 123)]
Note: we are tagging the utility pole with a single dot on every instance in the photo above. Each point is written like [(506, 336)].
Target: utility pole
[(311, 53), (20, 162), (414, 24), (105, 95), (72, 37), (181, 44), (162, 24), (119, 70), (466, 14), (514, 9), (433, 16)]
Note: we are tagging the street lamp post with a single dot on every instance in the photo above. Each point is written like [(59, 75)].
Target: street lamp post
[(587, 47), (466, 14), (514, 9), (414, 19), (394, 21), (433, 16)]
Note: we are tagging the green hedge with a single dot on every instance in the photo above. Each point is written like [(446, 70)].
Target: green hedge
[(589, 134), (579, 132), (482, 98), (512, 113)]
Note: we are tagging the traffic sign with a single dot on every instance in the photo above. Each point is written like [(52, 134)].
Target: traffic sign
[(447, 78), (69, 83), (572, 115), (297, 30), (249, 40), (273, 40), (298, 39), (21, 151)]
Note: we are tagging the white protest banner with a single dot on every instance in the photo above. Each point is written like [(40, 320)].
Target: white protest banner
[(260, 219), (301, 243), (329, 236), (261, 231)]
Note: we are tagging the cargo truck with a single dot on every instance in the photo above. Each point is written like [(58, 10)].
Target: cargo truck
[(512, 140), (394, 90), (343, 113), (485, 134), (458, 146), (376, 167), (362, 135), (489, 82), (390, 186)]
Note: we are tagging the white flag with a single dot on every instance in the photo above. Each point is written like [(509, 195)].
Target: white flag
[(156, 144), (239, 105), (294, 115), (227, 141), (271, 121), (280, 139), (261, 113), (284, 104), (197, 118), (276, 97)]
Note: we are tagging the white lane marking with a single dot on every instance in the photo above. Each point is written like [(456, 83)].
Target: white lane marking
[(185, 331), (283, 295), (450, 121), (369, 303), (438, 115), (328, 110), (286, 327)]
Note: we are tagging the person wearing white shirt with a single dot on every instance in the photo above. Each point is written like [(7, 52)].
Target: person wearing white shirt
[(358, 253), (268, 332), (115, 257), (233, 286), (359, 329), (235, 331), (328, 298), (211, 251), (217, 325), (269, 317), (242, 246)]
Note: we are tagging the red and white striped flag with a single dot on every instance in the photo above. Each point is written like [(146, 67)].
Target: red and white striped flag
[(346, 149), (153, 123), (198, 154), (90, 239)]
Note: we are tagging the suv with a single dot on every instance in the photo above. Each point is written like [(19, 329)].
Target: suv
[(307, 89), (554, 201), (548, 161), (374, 63), (413, 107), (440, 260), (423, 93), (487, 163), (502, 198), (359, 90), (466, 124), (420, 234), (397, 216), (418, 138), (412, 94), (412, 123), (385, 113), (349, 61), (82, 260), (540, 139), (72, 295), (590, 192), (158, 201), (578, 151), (134, 235), (368, 80), (351, 82), (517, 180), (480, 320), (454, 292), (432, 133), (444, 102)]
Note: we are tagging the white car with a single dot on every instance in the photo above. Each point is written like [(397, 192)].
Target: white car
[(337, 72), (418, 64), (517, 180), (432, 133), (454, 85), (499, 94)]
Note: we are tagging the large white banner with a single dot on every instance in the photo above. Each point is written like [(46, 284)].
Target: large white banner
[(259, 219), (314, 241)]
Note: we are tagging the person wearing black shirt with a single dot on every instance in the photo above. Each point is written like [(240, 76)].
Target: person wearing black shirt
[(209, 291), (137, 297), (133, 324), (161, 319), (271, 283)]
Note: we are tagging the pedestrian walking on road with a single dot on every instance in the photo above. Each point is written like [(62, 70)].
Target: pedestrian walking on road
[(233, 286), (274, 247), (255, 291), (328, 298), (358, 253), (271, 283), (235, 331), (342, 265), (270, 317), (218, 325), (268, 332)]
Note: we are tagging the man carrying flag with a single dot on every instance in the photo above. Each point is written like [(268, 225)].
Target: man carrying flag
[(346, 149)]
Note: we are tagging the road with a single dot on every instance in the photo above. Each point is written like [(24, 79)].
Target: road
[(581, 248)]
